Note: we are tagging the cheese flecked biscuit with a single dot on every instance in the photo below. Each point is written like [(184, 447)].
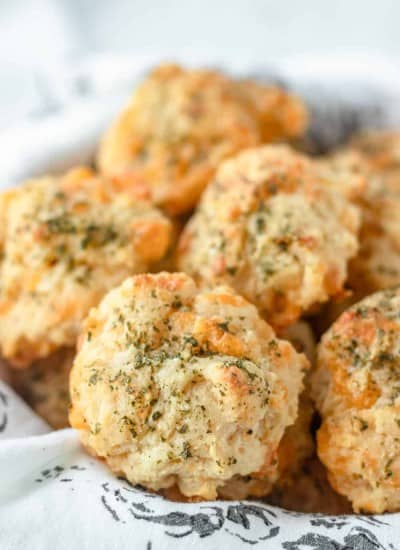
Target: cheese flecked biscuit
[(271, 228), (64, 242), (180, 124), (356, 388), (175, 385)]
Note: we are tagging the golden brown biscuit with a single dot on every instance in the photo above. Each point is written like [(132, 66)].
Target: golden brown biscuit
[(310, 493), (45, 386), (382, 149), (174, 385), (295, 447), (64, 242), (356, 389), (280, 115), (269, 227), (377, 265), (347, 171), (180, 124)]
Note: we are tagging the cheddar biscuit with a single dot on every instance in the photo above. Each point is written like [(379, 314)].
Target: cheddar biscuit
[(356, 389), (180, 124), (64, 242), (270, 228), (371, 185), (382, 149), (177, 385)]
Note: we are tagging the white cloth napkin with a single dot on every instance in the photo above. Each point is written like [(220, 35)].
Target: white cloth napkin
[(53, 496)]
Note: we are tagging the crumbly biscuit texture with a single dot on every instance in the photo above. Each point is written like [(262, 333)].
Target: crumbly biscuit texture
[(270, 227), (64, 242), (347, 171), (382, 149), (357, 391), (373, 185), (180, 124), (177, 385)]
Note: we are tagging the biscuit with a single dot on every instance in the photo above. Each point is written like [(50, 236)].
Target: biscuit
[(64, 242), (175, 385), (371, 185), (382, 149), (356, 390), (180, 124), (271, 229)]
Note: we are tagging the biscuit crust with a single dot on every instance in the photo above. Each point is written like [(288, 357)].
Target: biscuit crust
[(356, 389), (268, 226), (370, 178), (180, 124), (382, 149), (178, 385), (65, 241)]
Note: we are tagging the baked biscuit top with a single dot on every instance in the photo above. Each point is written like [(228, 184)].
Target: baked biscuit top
[(271, 227), (65, 241), (357, 391), (180, 124), (178, 385)]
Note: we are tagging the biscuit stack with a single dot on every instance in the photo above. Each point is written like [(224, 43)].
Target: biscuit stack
[(186, 282)]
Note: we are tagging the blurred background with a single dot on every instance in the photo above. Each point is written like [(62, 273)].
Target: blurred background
[(45, 44)]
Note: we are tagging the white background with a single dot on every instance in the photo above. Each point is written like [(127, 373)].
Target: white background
[(41, 35)]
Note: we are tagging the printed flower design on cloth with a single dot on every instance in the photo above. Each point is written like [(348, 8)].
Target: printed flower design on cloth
[(357, 538), (213, 518), (252, 523)]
